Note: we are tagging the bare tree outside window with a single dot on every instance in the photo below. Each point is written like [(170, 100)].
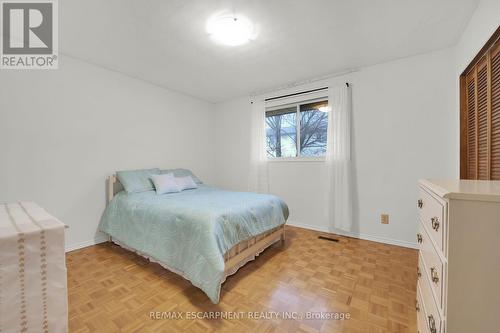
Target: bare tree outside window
[(282, 130), (313, 129)]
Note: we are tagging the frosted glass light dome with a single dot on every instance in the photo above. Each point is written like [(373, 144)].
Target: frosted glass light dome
[(230, 30)]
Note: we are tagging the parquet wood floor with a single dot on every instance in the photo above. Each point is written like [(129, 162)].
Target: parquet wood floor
[(113, 290)]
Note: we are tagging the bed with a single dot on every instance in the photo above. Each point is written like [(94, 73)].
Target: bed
[(203, 234)]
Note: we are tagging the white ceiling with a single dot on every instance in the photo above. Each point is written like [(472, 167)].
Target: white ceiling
[(164, 41)]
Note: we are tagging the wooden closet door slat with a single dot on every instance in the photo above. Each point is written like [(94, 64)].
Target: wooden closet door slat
[(495, 111), (471, 125), (482, 119)]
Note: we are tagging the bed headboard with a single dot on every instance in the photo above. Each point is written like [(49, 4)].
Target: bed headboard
[(113, 186)]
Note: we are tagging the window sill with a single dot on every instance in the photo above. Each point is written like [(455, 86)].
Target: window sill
[(297, 159)]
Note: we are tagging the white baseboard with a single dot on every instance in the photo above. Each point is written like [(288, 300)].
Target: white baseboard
[(372, 238), (96, 240), (306, 226)]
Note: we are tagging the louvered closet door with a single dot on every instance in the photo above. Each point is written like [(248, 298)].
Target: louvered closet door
[(481, 116), (495, 112)]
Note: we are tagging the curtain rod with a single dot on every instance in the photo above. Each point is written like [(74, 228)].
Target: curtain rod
[(299, 93)]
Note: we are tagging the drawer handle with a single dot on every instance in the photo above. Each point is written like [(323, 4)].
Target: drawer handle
[(419, 238), (432, 324), (417, 306), (419, 274), (435, 223), (420, 203), (434, 275)]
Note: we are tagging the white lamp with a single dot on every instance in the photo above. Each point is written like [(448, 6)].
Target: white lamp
[(230, 30)]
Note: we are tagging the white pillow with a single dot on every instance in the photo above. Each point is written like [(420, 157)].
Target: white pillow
[(185, 183), (165, 183)]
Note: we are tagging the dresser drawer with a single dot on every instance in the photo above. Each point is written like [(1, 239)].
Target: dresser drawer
[(421, 316), (433, 266), (432, 213), (433, 320)]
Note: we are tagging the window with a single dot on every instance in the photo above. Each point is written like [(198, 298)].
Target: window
[(297, 130)]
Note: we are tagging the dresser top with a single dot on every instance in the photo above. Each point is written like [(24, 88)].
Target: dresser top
[(481, 190)]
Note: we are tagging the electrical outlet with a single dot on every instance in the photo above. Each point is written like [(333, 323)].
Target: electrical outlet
[(384, 218)]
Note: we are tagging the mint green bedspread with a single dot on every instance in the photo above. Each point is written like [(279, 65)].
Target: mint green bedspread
[(191, 231)]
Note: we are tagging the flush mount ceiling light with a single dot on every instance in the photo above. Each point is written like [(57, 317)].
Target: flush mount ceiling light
[(230, 30)]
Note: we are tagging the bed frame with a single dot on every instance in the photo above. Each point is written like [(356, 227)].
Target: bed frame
[(238, 255)]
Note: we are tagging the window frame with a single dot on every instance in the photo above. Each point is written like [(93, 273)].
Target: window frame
[(297, 105)]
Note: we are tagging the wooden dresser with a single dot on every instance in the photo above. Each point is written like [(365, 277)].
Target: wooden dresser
[(458, 286)]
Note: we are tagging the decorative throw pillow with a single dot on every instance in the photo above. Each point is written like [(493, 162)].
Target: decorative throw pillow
[(137, 180), (185, 183), (165, 183), (183, 173)]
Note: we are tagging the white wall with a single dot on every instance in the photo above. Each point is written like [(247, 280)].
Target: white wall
[(482, 25), (63, 131), (404, 129)]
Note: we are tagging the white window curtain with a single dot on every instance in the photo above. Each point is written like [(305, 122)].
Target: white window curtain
[(258, 156), (338, 159)]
